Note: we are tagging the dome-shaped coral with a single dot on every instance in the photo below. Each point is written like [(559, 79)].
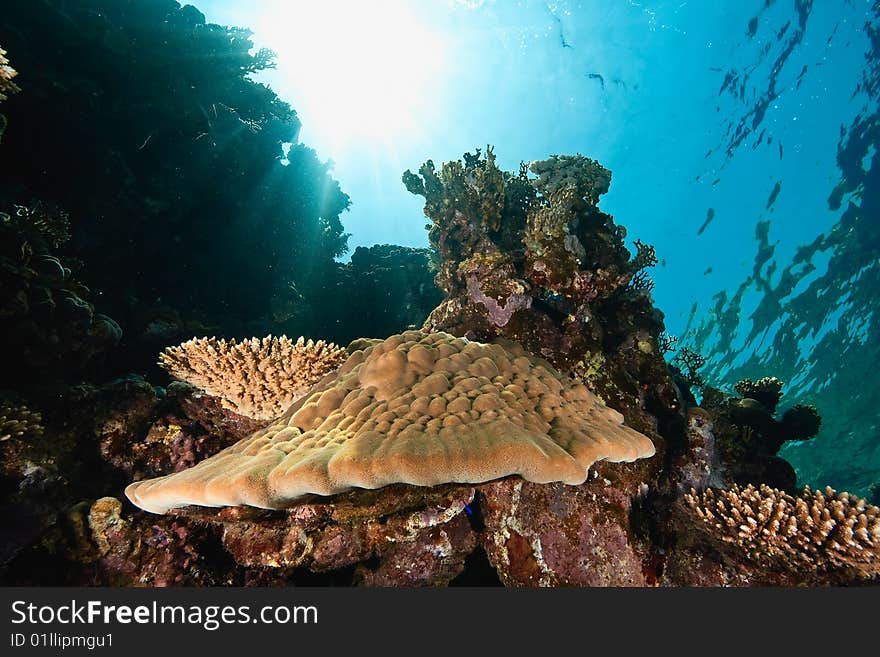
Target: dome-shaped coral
[(420, 409)]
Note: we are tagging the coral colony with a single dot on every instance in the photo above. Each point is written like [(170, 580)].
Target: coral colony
[(502, 411)]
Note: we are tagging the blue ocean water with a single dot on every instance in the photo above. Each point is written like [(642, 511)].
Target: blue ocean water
[(741, 137)]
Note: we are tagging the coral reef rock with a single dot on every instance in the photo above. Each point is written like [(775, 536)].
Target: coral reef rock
[(417, 408), (748, 434), (51, 331), (258, 378), (533, 260)]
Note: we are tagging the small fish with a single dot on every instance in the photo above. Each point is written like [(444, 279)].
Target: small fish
[(753, 27), (774, 194), (710, 215)]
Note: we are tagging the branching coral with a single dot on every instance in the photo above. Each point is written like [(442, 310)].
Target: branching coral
[(18, 421), (422, 409), (7, 86), (666, 343), (691, 362), (817, 531), (258, 378)]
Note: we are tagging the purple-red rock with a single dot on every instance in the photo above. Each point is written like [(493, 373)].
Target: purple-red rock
[(559, 535)]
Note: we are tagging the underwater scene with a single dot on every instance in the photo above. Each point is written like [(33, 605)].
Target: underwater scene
[(440, 293)]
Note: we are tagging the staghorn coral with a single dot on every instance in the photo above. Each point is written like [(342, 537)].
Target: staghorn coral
[(257, 378), (18, 421), (418, 408), (822, 532)]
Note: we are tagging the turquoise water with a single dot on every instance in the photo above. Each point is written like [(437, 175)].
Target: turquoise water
[(738, 133)]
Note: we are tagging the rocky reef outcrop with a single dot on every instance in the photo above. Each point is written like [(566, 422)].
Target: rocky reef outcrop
[(686, 516)]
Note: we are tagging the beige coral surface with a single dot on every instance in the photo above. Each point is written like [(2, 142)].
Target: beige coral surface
[(258, 378), (7, 86), (816, 530), (418, 408)]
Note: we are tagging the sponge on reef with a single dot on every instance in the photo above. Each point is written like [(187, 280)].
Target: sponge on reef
[(258, 378), (417, 408)]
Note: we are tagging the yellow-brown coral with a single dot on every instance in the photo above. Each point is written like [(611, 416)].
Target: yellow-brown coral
[(259, 378), (7, 86), (421, 409), (19, 421), (819, 531)]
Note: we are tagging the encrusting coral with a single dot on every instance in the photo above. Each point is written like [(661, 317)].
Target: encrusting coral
[(257, 378), (19, 421), (815, 531), (417, 408)]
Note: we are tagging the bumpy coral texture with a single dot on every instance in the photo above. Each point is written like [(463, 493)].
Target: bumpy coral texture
[(422, 409), (818, 531), (257, 378)]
